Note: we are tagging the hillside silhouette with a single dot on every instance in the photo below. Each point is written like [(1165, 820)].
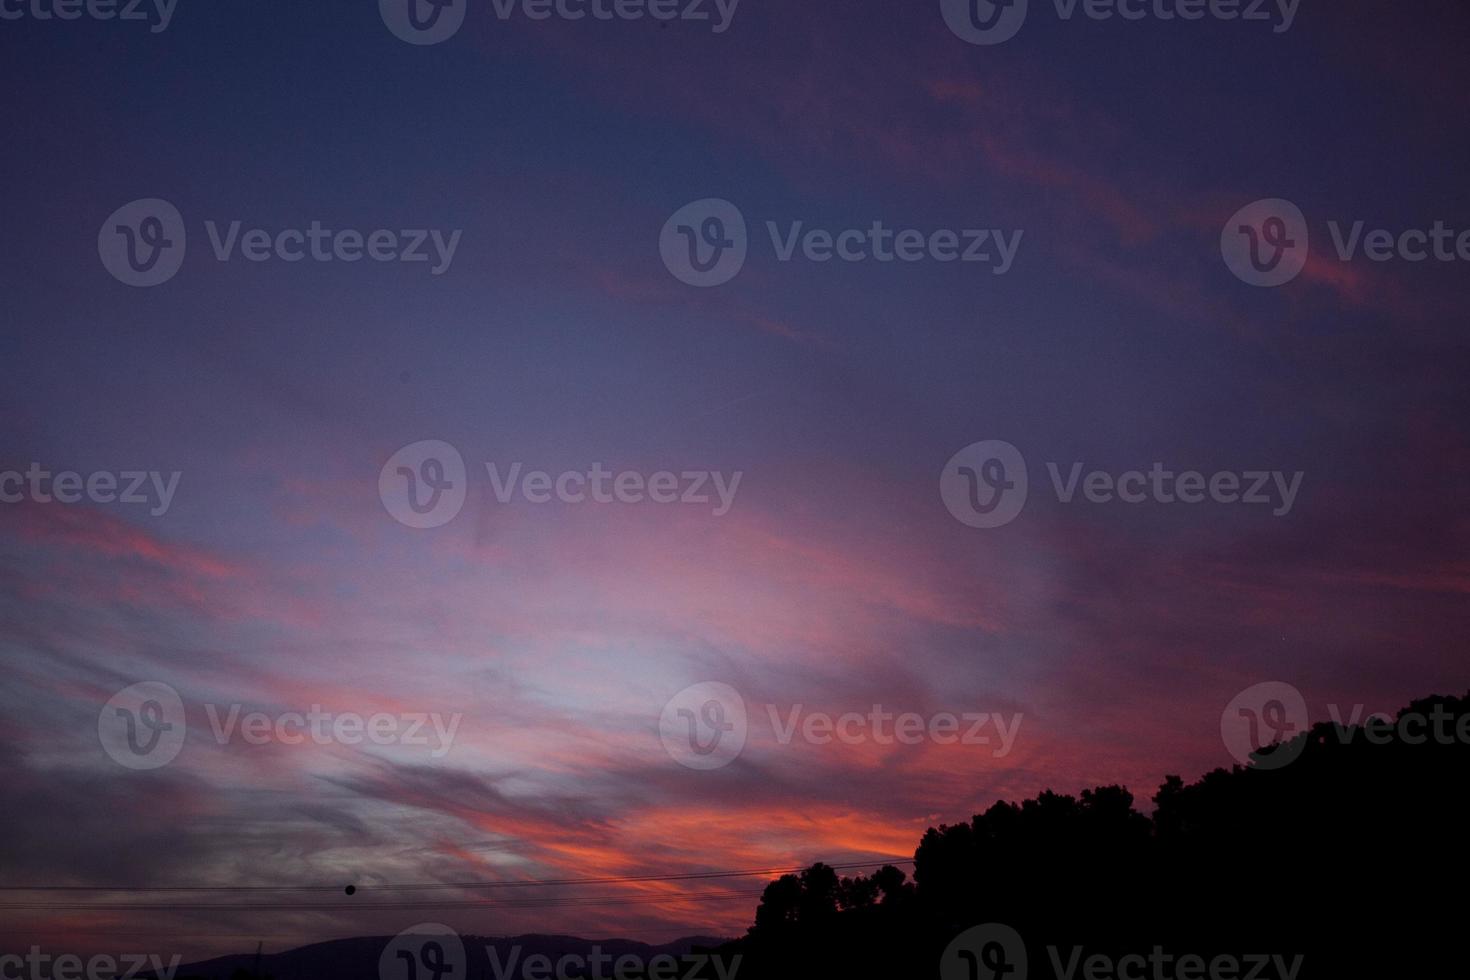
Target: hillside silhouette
[(360, 958)]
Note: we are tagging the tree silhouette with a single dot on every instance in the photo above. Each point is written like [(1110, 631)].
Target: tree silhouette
[(1352, 856)]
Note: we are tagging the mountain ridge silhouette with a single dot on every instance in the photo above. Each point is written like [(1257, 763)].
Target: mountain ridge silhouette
[(358, 956)]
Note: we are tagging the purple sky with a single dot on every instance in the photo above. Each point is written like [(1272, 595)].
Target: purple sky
[(836, 579)]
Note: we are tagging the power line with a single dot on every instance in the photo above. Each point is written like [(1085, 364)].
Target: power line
[(572, 901), (429, 886)]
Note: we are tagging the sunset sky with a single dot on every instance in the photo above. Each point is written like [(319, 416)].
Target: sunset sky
[(277, 580)]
